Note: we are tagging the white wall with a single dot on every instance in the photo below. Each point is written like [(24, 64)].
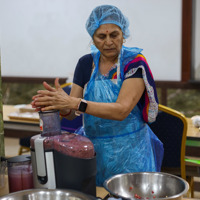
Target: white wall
[(41, 38)]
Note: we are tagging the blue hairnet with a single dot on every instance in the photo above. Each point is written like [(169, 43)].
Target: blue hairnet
[(107, 14)]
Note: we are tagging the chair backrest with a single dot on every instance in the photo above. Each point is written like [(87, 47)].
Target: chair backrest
[(67, 87), (171, 128), (70, 125)]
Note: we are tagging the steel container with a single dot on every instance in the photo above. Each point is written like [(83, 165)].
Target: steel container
[(46, 194), (146, 185)]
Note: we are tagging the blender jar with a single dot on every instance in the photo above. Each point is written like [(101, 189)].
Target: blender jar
[(20, 174)]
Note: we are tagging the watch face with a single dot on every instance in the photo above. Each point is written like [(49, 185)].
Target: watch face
[(82, 106)]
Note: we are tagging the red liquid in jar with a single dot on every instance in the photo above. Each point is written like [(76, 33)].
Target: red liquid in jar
[(20, 178)]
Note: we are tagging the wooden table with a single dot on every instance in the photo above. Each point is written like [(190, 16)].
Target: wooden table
[(193, 152), (26, 128), (192, 132), (193, 140), (32, 126), (18, 128)]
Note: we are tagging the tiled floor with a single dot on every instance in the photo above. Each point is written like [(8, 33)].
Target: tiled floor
[(12, 148)]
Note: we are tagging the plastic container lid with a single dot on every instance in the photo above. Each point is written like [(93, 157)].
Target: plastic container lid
[(19, 159)]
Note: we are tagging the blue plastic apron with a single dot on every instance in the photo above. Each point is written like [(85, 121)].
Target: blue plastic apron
[(121, 146)]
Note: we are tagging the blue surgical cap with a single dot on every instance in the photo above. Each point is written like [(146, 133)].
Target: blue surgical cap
[(107, 14)]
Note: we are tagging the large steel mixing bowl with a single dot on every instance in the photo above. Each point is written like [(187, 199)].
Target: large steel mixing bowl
[(45, 194), (146, 185)]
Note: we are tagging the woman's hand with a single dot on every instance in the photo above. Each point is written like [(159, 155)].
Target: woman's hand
[(52, 98)]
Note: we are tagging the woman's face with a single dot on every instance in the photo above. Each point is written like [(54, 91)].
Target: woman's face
[(108, 38)]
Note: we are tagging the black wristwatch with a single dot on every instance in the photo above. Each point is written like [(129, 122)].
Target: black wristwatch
[(82, 105)]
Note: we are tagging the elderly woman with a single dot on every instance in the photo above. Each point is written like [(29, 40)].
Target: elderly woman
[(114, 88)]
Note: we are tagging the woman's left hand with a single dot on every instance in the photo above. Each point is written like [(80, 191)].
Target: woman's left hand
[(52, 98)]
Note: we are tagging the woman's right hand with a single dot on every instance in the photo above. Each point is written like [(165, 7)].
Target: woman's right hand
[(54, 98), (33, 103)]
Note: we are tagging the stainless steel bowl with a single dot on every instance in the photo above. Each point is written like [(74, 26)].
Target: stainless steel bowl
[(146, 185), (45, 194)]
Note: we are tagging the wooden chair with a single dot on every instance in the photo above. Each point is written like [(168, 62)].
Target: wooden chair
[(171, 128), (66, 87), (24, 145)]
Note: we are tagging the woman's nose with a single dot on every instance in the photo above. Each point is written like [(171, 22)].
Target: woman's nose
[(108, 41)]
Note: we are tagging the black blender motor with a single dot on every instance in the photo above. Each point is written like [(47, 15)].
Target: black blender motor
[(62, 160)]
